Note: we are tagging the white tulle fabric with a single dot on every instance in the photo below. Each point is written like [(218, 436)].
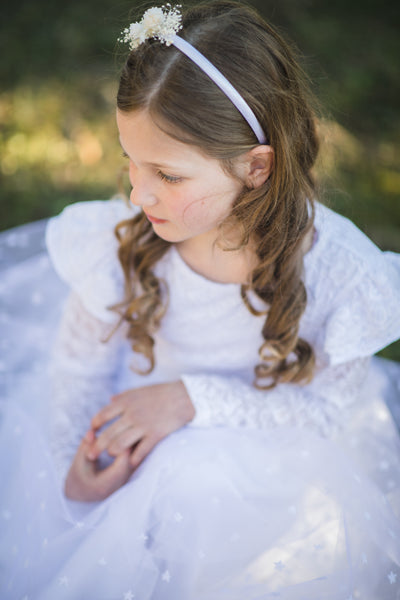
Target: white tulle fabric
[(291, 493)]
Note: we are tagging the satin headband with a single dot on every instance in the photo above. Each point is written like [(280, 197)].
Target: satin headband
[(163, 23)]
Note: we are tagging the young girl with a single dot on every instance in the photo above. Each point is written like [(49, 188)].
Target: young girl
[(217, 428)]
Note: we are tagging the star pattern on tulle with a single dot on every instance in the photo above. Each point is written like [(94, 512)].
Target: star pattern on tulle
[(384, 465), (279, 566), (6, 514), (178, 517), (37, 298), (367, 516), (364, 558), (63, 581), (392, 577), (129, 595), (45, 542), (79, 524), (166, 576), (318, 546), (102, 561)]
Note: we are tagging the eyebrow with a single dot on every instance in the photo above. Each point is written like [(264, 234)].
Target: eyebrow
[(152, 164)]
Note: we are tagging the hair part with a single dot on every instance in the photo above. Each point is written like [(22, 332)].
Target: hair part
[(277, 216)]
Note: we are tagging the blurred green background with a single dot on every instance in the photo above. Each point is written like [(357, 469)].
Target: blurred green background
[(58, 73)]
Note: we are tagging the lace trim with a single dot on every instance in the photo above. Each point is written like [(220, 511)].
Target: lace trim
[(321, 406), (82, 373)]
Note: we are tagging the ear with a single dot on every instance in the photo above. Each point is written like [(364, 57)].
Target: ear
[(259, 165)]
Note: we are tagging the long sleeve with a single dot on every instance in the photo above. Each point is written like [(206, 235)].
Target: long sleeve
[(319, 406), (82, 375)]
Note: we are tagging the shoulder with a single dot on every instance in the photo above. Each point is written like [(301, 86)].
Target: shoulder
[(83, 249), (353, 289), (336, 233)]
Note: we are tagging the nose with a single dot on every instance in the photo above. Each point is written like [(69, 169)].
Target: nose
[(139, 197), (141, 193)]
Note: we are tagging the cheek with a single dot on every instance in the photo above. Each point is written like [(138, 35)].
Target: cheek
[(132, 173), (204, 213), (211, 207), (203, 205), (195, 212)]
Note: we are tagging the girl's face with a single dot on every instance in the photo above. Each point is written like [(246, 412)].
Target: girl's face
[(183, 193)]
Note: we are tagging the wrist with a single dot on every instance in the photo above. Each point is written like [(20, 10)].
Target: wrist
[(188, 410)]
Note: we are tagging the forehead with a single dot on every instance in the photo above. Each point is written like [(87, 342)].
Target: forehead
[(144, 141)]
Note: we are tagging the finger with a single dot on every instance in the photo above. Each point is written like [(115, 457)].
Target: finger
[(142, 450), (116, 475), (90, 436), (105, 438), (127, 394), (124, 440), (117, 397), (106, 414), (81, 462)]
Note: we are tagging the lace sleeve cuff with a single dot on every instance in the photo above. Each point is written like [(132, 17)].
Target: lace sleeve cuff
[(319, 406)]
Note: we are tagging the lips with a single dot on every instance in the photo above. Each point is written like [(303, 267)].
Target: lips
[(155, 220)]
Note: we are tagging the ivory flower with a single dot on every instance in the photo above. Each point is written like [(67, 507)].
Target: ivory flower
[(159, 23)]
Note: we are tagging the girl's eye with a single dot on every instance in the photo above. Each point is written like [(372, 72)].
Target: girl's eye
[(124, 154), (169, 178)]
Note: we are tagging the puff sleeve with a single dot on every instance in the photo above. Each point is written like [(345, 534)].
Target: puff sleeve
[(366, 317), (83, 249), (354, 292)]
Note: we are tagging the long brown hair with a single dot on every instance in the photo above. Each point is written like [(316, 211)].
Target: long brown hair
[(277, 216)]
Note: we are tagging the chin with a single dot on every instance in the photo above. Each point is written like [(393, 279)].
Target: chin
[(168, 236)]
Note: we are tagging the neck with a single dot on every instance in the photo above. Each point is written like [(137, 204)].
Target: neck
[(213, 262)]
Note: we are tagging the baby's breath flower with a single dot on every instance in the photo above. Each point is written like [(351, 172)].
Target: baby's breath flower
[(159, 23), (153, 20)]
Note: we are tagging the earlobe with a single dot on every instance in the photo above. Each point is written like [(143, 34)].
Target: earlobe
[(260, 165)]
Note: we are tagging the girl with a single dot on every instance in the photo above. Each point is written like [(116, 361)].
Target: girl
[(217, 428)]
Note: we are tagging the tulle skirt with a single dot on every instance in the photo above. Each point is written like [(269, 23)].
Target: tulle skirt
[(211, 513)]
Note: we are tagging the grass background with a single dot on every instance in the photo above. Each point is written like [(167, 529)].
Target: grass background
[(58, 74)]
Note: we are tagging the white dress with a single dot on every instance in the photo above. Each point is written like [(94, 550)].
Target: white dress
[(292, 493)]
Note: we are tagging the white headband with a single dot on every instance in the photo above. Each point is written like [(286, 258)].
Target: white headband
[(163, 23)]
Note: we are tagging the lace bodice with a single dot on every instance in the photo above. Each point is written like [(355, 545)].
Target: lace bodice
[(209, 339)]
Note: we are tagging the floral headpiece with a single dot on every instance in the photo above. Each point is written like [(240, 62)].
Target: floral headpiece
[(163, 23)]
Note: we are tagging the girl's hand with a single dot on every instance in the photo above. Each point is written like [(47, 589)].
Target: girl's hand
[(86, 482), (144, 416)]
